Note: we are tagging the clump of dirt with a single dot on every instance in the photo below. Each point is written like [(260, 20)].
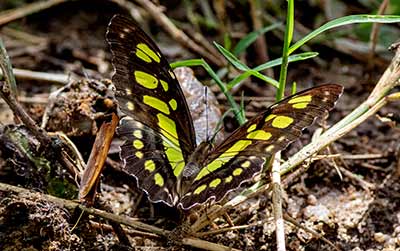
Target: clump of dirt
[(74, 108), (35, 225)]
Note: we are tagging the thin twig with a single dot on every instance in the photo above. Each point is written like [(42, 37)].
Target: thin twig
[(234, 228), (45, 141), (367, 186), (53, 78), (374, 32), (260, 45), (316, 234), (6, 68), (156, 12), (376, 100), (277, 203), (71, 205), (27, 9), (37, 99), (24, 36)]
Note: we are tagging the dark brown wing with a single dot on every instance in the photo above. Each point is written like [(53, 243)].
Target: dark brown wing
[(244, 152), (143, 154), (147, 89)]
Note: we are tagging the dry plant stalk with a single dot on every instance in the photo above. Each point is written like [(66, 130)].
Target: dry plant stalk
[(376, 100)]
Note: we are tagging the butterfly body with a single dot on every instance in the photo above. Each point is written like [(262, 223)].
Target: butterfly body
[(160, 148)]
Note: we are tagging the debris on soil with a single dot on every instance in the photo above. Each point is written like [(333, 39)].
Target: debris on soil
[(75, 108)]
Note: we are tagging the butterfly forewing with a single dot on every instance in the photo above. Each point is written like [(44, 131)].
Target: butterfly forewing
[(243, 153), (147, 89)]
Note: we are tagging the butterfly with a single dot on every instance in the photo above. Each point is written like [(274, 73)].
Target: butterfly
[(160, 149)]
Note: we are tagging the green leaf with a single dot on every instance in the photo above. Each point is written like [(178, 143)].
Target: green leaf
[(290, 22), (353, 19), (231, 58), (269, 64), (293, 58)]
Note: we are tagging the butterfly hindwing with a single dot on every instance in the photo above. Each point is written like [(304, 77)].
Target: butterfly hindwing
[(216, 185), (143, 154), (243, 153)]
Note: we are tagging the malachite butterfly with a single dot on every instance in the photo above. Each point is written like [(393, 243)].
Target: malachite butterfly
[(160, 148)]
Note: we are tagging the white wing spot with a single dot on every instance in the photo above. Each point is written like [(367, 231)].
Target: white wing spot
[(130, 106), (269, 148)]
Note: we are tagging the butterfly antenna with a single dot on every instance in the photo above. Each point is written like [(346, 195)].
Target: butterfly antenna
[(219, 126), (206, 102)]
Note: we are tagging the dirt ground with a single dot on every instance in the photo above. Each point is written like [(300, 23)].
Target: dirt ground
[(350, 196)]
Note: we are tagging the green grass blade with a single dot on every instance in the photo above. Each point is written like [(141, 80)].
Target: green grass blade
[(269, 64), (285, 51), (231, 58), (353, 19), (293, 58), (200, 62)]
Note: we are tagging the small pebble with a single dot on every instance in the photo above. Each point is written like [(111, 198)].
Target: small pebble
[(397, 230), (312, 200), (318, 213), (380, 237)]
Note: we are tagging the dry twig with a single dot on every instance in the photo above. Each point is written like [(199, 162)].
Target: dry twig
[(71, 205), (158, 15), (25, 10)]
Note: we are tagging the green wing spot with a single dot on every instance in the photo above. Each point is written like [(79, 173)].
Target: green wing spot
[(171, 143), (237, 171), (245, 164), (143, 56), (271, 116), (300, 102), (252, 128), (200, 189), (146, 80), (173, 104), (300, 105), (239, 146), (149, 165), (138, 144), (234, 150), (164, 85), (158, 179), (138, 134), (282, 122), (215, 182), (156, 103), (146, 49), (175, 158), (168, 127), (228, 179), (139, 155), (306, 98), (259, 135)]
